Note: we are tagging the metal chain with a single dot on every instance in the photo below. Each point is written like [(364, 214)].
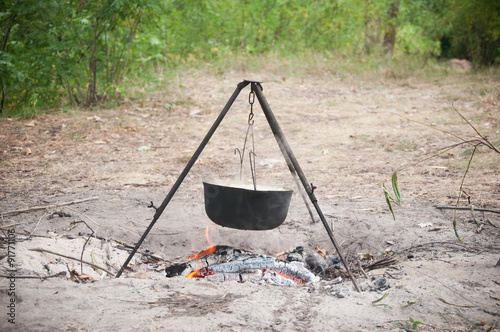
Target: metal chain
[(251, 101)]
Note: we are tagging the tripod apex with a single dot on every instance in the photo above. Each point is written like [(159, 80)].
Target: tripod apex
[(252, 81)]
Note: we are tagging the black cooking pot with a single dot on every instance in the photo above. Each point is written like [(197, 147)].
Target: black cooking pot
[(246, 209)]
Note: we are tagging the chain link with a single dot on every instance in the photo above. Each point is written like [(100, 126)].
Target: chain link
[(251, 154), (251, 100), (251, 97)]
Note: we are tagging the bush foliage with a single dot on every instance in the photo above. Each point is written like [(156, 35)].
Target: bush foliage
[(55, 53)]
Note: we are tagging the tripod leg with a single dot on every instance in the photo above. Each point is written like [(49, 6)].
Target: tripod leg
[(288, 153), (186, 170)]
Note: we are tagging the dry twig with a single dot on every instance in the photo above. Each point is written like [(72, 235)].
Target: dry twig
[(466, 208), (38, 223), (44, 207), (42, 278), (72, 258), (85, 244)]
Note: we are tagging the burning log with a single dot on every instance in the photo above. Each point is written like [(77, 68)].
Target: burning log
[(222, 263)]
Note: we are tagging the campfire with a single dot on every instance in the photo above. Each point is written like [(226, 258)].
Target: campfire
[(259, 209), (224, 263)]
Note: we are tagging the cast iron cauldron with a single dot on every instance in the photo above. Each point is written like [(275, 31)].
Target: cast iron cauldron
[(246, 209)]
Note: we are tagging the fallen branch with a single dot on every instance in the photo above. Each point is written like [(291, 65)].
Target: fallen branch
[(38, 223), (443, 243), (43, 207), (42, 278), (6, 227), (72, 258), (466, 208), (84, 245)]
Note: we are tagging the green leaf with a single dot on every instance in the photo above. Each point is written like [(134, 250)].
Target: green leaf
[(388, 201), (381, 304), (456, 231), (383, 297), (395, 188), (397, 195), (413, 323)]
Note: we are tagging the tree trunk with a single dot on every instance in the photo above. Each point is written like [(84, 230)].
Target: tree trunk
[(4, 47), (390, 35), (92, 90)]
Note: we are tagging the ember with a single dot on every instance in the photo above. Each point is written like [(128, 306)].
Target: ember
[(200, 273), (222, 263)]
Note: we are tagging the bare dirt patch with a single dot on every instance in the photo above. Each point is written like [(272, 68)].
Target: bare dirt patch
[(348, 138)]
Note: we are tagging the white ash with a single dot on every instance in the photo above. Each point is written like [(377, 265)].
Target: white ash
[(229, 264)]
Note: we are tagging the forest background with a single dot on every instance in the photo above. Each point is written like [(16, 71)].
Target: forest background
[(60, 54)]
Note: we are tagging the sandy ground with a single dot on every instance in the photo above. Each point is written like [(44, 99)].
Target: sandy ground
[(349, 133)]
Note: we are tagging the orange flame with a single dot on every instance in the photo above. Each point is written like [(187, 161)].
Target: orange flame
[(204, 271), (211, 247), (202, 253), (201, 273)]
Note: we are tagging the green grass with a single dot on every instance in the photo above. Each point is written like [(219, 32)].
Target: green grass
[(154, 80)]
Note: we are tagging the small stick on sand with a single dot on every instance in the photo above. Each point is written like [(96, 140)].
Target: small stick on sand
[(84, 245), (42, 278), (43, 207), (466, 208), (363, 271), (38, 223), (72, 258)]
